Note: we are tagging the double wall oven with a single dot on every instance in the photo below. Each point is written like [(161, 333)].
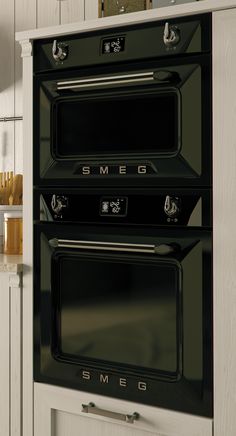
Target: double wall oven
[(122, 213)]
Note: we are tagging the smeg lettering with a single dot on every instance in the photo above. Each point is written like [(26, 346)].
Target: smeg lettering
[(111, 170), (105, 379)]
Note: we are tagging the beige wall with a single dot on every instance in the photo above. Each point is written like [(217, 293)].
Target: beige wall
[(17, 15)]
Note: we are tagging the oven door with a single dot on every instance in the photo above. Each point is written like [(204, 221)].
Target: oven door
[(121, 315), (152, 123)]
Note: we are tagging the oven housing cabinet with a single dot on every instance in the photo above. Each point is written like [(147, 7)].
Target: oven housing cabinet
[(123, 216), (146, 94), (74, 345)]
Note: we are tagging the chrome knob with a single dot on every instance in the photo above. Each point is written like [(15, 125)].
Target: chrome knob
[(58, 203), (172, 206), (171, 35), (59, 51)]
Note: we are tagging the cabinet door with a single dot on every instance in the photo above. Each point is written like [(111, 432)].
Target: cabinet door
[(58, 412), (48, 13), (72, 11), (10, 362), (5, 357), (91, 9)]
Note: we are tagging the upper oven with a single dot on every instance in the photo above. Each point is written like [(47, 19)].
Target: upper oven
[(128, 106)]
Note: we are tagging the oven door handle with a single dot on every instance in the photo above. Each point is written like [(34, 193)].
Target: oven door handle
[(91, 408), (162, 249), (162, 77)]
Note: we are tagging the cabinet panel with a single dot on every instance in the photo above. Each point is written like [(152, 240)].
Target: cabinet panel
[(224, 213), (91, 9), (5, 356), (7, 84), (65, 424), (48, 13), (10, 362), (58, 412), (72, 11), (14, 287), (25, 18), (7, 58)]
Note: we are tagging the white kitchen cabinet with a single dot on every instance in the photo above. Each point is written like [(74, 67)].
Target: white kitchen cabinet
[(72, 11), (91, 9), (58, 412), (10, 340)]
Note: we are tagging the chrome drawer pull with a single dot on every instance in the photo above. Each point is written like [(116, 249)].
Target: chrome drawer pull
[(91, 408), (162, 249)]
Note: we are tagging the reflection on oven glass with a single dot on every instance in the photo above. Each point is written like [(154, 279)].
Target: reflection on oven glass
[(120, 312)]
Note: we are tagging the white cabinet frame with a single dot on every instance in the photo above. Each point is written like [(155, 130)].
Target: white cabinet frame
[(10, 361)]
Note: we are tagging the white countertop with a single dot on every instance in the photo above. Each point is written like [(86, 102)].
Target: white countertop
[(11, 263), (203, 6)]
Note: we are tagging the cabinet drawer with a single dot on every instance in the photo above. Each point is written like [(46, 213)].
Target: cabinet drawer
[(59, 412)]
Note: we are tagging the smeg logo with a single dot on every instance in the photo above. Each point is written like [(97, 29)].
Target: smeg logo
[(120, 170), (105, 379), (104, 170)]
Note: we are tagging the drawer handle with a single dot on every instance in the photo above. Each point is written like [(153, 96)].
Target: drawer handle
[(91, 408)]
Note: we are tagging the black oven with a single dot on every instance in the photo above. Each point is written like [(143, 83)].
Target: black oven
[(125, 314), (123, 213), (137, 115), (123, 300)]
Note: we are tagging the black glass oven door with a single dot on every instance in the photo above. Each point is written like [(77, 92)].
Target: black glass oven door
[(118, 310), (152, 123), (114, 306), (142, 122)]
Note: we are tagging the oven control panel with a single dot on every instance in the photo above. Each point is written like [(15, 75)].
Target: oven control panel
[(185, 36), (157, 208)]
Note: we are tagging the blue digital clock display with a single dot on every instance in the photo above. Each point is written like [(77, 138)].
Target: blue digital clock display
[(113, 45)]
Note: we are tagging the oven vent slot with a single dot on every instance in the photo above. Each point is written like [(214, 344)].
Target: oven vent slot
[(162, 249)]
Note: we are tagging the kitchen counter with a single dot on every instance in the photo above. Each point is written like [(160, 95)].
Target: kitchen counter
[(203, 6), (11, 263)]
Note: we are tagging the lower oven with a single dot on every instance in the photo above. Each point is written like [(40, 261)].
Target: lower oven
[(125, 311)]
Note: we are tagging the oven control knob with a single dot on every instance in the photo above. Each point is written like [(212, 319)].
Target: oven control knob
[(172, 206), (58, 203), (59, 51), (171, 35)]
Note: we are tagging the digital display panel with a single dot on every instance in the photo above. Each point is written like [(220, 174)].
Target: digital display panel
[(113, 45), (111, 206)]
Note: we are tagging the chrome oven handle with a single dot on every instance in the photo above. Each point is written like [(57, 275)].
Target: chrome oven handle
[(106, 80), (91, 408), (162, 249), (161, 76)]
